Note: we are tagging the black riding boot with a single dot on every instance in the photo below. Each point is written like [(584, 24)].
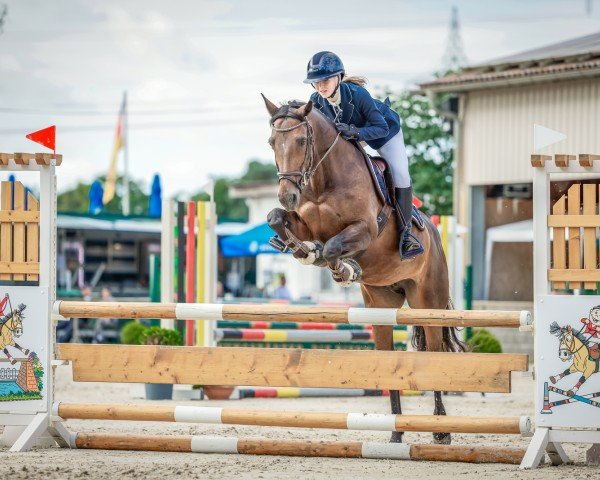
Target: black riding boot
[(409, 246)]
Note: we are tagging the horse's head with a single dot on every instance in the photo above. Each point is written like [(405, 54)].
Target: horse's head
[(292, 140), (566, 347), (15, 324)]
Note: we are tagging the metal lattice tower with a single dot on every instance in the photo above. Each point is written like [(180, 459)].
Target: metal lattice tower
[(454, 56)]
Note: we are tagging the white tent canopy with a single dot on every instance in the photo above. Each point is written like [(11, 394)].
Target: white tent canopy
[(511, 232)]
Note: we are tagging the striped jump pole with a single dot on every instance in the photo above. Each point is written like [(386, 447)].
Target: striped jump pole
[(295, 392), (573, 397), (295, 326), (299, 419), (293, 313), (297, 448), (313, 336)]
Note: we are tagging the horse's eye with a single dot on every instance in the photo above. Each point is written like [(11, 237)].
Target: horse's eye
[(302, 141), (271, 143)]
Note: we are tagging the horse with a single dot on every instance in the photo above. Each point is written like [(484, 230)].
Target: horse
[(11, 327), (331, 217), (573, 347)]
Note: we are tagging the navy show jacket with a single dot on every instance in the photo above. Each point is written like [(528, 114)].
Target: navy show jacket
[(376, 121)]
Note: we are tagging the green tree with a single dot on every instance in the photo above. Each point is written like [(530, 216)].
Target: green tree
[(76, 199), (235, 208), (429, 146)]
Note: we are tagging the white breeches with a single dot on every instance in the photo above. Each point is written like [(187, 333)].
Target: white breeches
[(394, 151)]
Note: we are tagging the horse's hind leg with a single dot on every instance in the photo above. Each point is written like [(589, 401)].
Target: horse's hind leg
[(384, 336), (434, 339), (434, 343)]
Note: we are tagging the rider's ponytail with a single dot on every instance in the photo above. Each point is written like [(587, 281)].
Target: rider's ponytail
[(356, 80)]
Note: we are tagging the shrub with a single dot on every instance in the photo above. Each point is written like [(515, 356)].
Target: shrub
[(483, 341), (132, 332)]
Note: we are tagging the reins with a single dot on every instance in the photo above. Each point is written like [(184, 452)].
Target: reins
[(307, 169)]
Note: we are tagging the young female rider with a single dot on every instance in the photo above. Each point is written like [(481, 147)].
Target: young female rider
[(360, 117)]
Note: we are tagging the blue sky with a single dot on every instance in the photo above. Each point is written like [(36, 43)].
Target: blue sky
[(194, 69)]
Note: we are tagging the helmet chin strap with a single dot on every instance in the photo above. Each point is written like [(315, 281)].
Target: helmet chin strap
[(335, 90)]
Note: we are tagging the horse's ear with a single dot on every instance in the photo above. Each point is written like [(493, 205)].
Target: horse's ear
[(304, 110), (271, 107)]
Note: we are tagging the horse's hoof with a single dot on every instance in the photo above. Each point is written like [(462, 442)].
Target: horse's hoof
[(13, 362), (553, 379), (26, 352), (348, 274), (396, 437), (442, 438), (315, 252), (570, 393)]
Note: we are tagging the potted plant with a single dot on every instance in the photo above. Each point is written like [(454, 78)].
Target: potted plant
[(217, 392), (160, 336)]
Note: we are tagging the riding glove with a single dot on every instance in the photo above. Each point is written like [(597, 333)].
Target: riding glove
[(349, 132)]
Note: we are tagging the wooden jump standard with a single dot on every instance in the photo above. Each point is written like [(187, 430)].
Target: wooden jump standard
[(269, 418), (297, 448), (293, 313)]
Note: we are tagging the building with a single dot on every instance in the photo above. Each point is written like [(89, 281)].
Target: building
[(494, 106)]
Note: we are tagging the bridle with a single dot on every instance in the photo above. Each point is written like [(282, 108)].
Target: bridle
[(308, 168), (570, 347)]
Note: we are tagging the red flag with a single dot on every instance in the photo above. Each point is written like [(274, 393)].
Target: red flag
[(45, 137)]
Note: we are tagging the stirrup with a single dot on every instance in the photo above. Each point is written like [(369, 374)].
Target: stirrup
[(408, 254)]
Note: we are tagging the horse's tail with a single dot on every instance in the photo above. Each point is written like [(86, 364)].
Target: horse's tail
[(450, 340)]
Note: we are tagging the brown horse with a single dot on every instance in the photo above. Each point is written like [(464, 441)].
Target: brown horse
[(330, 220)]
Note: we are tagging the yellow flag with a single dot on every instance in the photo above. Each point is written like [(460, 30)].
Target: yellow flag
[(111, 177)]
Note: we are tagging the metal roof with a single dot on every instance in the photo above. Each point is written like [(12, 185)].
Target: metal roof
[(580, 46), (575, 58)]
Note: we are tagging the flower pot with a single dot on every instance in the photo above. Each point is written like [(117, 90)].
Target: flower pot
[(159, 391), (218, 392)]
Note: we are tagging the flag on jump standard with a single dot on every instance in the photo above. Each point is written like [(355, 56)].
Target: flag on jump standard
[(45, 137), (111, 177)]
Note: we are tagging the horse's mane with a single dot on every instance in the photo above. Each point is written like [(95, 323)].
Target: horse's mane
[(555, 329), (287, 108)]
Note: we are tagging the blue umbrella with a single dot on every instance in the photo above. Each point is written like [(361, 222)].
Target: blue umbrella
[(155, 200), (95, 195), (249, 243)]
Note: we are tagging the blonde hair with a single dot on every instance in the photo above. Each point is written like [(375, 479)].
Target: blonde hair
[(356, 80)]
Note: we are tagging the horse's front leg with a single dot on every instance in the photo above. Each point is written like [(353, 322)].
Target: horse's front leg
[(351, 241), (568, 371), (9, 356), (295, 234)]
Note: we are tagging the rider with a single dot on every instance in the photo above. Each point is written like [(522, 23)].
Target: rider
[(360, 117)]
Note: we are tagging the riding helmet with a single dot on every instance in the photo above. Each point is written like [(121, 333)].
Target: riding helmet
[(322, 66)]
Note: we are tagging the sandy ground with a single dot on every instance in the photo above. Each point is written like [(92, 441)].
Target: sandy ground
[(59, 463)]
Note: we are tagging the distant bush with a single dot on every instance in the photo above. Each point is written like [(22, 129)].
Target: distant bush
[(131, 333), (483, 341)]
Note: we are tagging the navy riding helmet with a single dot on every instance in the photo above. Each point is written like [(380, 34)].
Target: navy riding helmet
[(322, 66)]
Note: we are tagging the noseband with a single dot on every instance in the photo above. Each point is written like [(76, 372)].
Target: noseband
[(308, 168)]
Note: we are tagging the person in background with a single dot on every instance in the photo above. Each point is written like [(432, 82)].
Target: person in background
[(103, 325), (282, 292)]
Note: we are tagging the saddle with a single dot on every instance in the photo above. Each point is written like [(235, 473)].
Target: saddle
[(384, 186)]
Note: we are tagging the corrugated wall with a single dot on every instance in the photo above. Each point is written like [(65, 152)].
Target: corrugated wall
[(498, 127)]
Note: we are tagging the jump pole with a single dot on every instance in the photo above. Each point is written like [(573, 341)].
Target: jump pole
[(297, 448), (299, 419), (292, 313)]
